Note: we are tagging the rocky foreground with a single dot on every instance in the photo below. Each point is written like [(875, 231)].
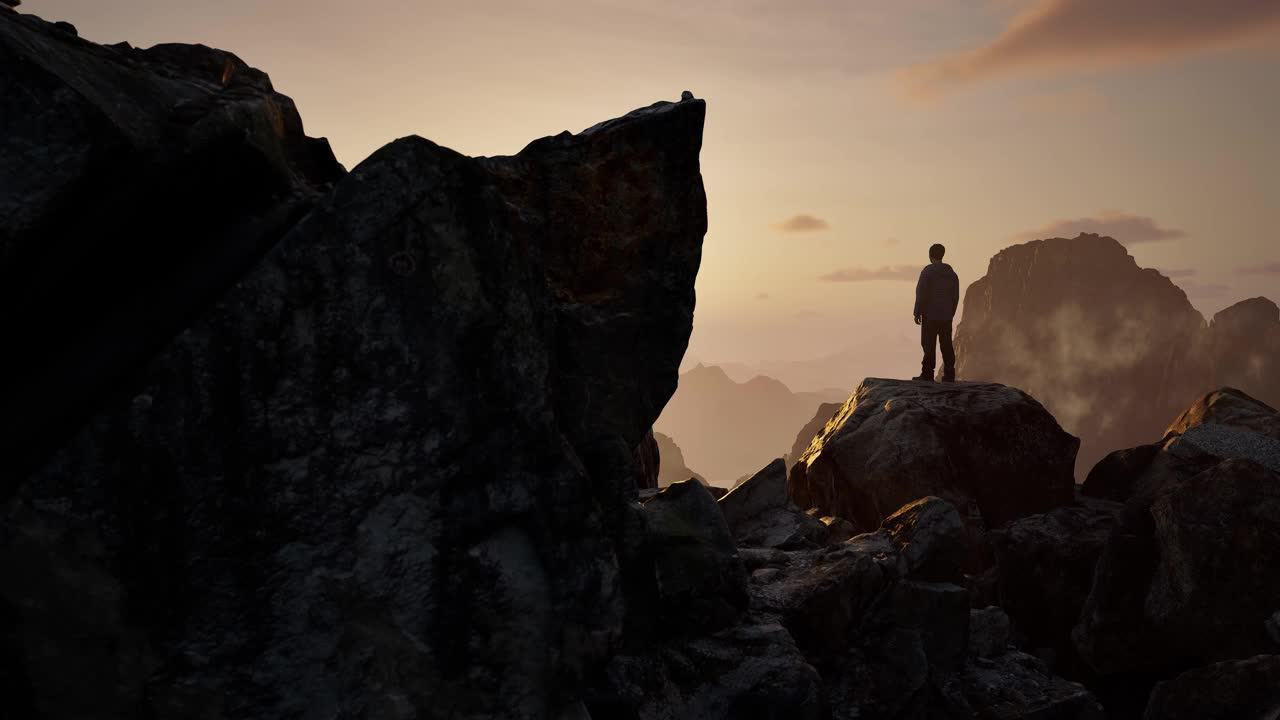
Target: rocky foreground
[(371, 445)]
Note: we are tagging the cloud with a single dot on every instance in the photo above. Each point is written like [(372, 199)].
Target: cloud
[(802, 223), (892, 242), (762, 296), (1128, 229), (1053, 34), (1184, 273), (856, 274), (1263, 269)]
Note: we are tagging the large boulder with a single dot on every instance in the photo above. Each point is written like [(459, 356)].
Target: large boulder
[(750, 670), (700, 581), (1188, 577), (1246, 689), (1113, 350), (895, 441), (760, 514), (388, 471), (137, 186), (1224, 423), (1044, 570)]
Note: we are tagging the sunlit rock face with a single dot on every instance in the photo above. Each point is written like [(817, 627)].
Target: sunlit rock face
[(1113, 350), (985, 445), (135, 186), (386, 471)]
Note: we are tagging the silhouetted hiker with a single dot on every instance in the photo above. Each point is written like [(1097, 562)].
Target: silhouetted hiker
[(937, 295)]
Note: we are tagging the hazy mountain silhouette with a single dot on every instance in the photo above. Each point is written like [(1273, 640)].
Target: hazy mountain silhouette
[(729, 429), (671, 468)]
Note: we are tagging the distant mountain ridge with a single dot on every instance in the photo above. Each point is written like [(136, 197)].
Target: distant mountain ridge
[(1113, 350), (728, 429)]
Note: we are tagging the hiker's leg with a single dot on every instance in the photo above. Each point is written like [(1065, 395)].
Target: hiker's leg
[(928, 343), (948, 351)]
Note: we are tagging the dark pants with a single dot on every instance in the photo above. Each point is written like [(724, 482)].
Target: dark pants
[(931, 332)]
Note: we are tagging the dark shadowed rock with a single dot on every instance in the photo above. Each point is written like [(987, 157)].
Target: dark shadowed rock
[(387, 469), (1017, 686), (701, 581), (761, 515), (750, 671), (137, 186), (1244, 349), (1044, 569), (931, 538), (1188, 578), (989, 632), (811, 430), (1246, 689), (896, 441), (647, 463)]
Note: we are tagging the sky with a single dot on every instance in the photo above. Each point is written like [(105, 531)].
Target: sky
[(842, 138)]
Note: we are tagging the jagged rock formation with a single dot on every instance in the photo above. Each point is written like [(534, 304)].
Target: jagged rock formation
[(1246, 689), (648, 462), (138, 185), (761, 516), (672, 468), (1044, 567), (386, 468), (729, 430), (1113, 350), (1187, 577), (811, 429), (895, 441)]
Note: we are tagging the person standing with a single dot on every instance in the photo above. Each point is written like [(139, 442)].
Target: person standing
[(937, 296)]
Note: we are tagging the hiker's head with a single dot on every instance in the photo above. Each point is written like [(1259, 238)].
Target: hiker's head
[(936, 251)]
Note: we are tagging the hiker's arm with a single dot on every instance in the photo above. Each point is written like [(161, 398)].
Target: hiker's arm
[(922, 286)]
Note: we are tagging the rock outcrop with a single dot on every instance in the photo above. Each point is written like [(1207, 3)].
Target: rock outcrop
[(1044, 567), (386, 468), (1246, 689), (648, 463), (811, 429), (137, 186), (1113, 350), (760, 515), (894, 441)]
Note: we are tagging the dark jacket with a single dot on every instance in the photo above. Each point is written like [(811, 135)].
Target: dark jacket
[(937, 292)]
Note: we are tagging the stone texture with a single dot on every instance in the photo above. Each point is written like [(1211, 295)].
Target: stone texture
[(701, 583), (1044, 568), (811, 429), (1247, 689), (759, 513), (647, 462), (137, 186), (1018, 686), (989, 631), (752, 670), (1111, 349), (931, 537), (387, 468), (896, 441), (1188, 578)]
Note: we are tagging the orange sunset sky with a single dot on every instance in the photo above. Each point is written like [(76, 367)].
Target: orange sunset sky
[(842, 138)]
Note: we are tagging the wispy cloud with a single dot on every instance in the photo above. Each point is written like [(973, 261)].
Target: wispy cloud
[(1203, 290), (1174, 274), (1056, 34), (802, 223), (1128, 229), (857, 274), (762, 296), (892, 242), (1263, 269)]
